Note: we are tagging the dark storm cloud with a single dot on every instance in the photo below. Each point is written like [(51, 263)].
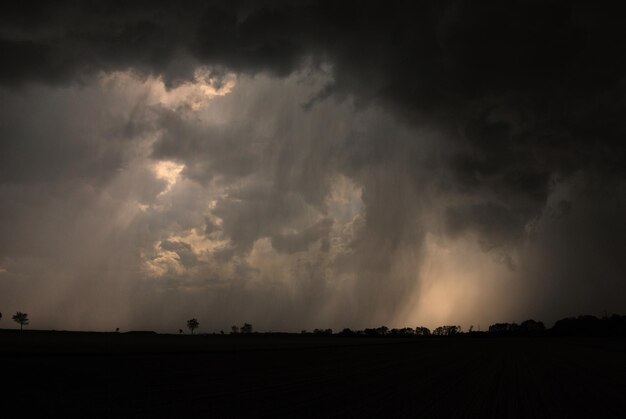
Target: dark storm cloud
[(576, 261), (511, 80), (58, 43), (55, 146), (523, 97), (488, 219)]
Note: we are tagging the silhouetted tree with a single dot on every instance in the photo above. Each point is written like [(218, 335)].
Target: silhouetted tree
[(614, 325), (498, 328), (454, 330), (422, 331), (180, 331), (405, 331), (246, 328), (234, 330), (447, 330), (532, 326), (379, 331), (504, 328), (192, 324), (21, 318)]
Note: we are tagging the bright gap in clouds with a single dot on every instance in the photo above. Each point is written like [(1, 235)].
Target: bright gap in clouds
[(168, 171)]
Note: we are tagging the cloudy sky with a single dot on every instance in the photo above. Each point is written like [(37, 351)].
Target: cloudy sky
[(300, 165)]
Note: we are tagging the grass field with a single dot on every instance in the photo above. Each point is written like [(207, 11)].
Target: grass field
[(95, 374)]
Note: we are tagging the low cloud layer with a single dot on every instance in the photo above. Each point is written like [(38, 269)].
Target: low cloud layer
[(311, 165)]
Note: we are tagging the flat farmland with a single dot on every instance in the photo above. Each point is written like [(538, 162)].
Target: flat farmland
[(108, 374)]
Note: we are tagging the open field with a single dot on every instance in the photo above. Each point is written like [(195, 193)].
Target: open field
[(111, 374)]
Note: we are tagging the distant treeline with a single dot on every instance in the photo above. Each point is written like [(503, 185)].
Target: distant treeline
[(585, 325), (614, 325)]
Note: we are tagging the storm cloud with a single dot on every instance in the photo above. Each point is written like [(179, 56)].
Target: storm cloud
[(311, 164)]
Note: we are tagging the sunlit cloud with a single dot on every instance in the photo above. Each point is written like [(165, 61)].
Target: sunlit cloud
[(195, 94), (169, 172), (192, 95)]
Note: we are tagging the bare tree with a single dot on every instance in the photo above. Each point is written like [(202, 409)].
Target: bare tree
[(193, 324), (21, 318)]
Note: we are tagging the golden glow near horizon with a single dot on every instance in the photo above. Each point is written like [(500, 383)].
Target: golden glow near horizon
[(460, 281)]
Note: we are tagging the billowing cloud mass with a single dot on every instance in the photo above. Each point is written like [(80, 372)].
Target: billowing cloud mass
[(311, 164)]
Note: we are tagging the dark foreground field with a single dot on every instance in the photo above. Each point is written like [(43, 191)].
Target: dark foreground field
[(85, 374)]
